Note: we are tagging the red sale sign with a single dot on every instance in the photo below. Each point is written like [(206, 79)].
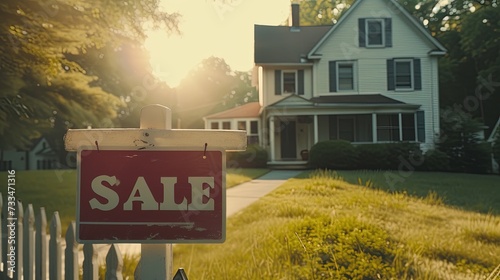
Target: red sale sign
[(151, 196)]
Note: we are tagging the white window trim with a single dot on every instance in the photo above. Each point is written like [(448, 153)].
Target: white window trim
[(354, 75), (283, 81), (367, 42), (412, 88)]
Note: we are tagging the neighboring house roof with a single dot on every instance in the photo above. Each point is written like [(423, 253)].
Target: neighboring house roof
[(285, 44), (249, 110), (439, 47), (495, 131), (356, 99)]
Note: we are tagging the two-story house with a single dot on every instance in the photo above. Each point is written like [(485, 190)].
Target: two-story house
[(370, 78)]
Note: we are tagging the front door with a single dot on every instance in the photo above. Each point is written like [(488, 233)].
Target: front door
[(288, 140)]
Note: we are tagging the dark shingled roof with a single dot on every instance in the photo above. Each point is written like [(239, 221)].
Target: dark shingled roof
[(356, 99), (285, 44)]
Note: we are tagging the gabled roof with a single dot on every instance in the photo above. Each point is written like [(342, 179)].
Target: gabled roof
[(285, 44), (292, 100), (439, 47), (288, 45), (249, 110)]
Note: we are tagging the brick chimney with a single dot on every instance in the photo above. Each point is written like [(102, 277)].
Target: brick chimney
[(295, 17)]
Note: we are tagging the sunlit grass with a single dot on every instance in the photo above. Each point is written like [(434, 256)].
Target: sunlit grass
[(424, 238), (236, 176)]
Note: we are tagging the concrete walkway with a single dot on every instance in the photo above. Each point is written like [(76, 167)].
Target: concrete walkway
[(237, 198), (247, 193)]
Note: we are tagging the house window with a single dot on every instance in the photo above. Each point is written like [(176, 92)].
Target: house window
[(342, 75), (345, 76), (226, 125), (289, 82), (254, 127), (253, 136), (242, 125), (375, 32), (388, 127), (353, 128), (408, 127), (214, 125), (404, 74)]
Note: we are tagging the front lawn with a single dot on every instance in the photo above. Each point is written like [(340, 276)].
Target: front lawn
[(321, 227)]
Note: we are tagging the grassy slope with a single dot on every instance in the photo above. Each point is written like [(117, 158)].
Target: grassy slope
[(56, 189), (472, 192), (421, 237)]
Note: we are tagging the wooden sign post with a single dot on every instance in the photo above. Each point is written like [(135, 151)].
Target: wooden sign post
[(152, 185)]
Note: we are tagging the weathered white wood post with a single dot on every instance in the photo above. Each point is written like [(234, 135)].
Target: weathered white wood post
[(177, 196), (156, 259)]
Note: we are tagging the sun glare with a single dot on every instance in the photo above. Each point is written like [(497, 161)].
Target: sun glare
[(210, 28)]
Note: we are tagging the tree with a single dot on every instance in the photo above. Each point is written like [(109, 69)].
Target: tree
[(322, 12), (209, 88), (36, 75), (496, 148), (460, 140)]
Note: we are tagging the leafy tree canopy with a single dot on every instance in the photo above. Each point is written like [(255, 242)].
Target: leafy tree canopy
[(40, 78)]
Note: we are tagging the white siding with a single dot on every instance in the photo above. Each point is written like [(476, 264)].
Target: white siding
[(269, 96), (343, 45)]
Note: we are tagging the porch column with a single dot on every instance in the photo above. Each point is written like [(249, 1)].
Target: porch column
[(374, 127), (316, 133), (271, 137)]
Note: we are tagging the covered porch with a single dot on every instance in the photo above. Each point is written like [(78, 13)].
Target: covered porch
[(293, 129)]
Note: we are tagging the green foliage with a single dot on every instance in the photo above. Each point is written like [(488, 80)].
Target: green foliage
[(339, 154), (390, 156), (43, 74), (334, 154), (435, 160), (345, 248), (460, 141), (371, 156), (253, 157), (322, 12), (496, 148), (210, 88)]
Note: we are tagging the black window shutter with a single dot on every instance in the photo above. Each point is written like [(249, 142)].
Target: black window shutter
[(361, 32), (421, 126), (277, 82), (388, 32), (333, 75), (417, 72), (390, 74), (301, 82)]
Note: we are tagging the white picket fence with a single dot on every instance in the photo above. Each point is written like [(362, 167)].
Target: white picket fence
[(37, 255)]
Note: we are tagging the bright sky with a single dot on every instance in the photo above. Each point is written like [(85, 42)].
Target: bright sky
[(211, 28)]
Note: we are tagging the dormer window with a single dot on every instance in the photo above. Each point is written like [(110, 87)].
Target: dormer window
[(375, 32)]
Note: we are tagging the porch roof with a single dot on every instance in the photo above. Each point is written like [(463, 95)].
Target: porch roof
[(249, 110), (356, 99)]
